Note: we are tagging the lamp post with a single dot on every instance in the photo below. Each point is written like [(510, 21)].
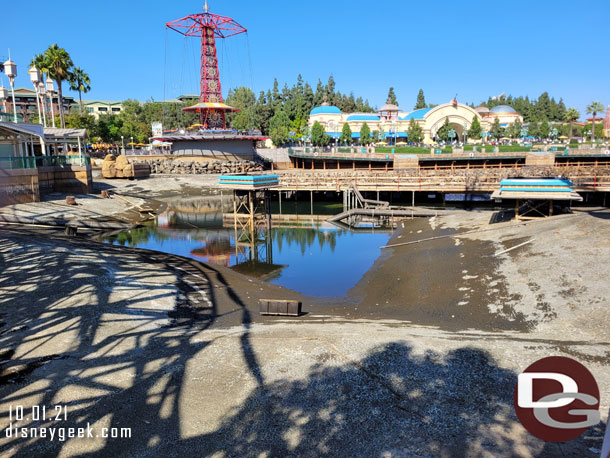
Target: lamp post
[(35, 79), (10, 69), (132, 150), (43, 94), (122, 144), (51, 90), (3, 95)]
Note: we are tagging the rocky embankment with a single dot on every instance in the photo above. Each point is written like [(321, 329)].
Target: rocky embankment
[(169, 166)]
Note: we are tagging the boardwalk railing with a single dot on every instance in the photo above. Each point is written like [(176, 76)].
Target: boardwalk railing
[(396, 181)]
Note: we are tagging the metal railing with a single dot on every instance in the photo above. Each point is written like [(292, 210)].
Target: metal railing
[(32, 162), (12, 163), (62, 161)]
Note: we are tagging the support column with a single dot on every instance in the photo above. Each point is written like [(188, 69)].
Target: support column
[(251, 198), (311, 194)]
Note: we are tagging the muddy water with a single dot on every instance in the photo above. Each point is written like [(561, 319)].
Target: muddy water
[(448, 283)]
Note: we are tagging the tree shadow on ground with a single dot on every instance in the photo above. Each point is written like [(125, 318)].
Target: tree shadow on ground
[(390, 403), (112, 341)]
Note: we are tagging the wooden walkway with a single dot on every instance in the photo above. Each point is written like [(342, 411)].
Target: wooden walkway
[(396, 182), (406, 212)]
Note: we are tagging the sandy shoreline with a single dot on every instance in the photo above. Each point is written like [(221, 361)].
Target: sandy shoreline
[(176, 350)]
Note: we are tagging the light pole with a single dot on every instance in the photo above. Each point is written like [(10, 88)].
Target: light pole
[(3, 95), (35, 79), (10, 69), (122, 144), (464, 136), (43, 94), (132, 150), (51, 90)]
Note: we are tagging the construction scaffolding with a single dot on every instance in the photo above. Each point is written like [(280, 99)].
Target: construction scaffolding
[(252, 224), (251, 215)]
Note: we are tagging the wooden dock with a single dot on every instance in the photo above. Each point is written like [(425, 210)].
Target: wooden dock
[(405, 212), (447, 181)]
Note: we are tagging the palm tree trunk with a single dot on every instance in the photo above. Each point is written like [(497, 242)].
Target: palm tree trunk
[(593, 127), (62, 122), (80, 99)]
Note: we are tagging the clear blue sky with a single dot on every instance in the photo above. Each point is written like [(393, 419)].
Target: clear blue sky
[(475, 49)]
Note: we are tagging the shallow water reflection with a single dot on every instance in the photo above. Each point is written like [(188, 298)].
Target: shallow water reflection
[(310, 256)]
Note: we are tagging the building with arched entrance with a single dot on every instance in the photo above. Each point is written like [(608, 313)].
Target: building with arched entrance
[(394, 122)]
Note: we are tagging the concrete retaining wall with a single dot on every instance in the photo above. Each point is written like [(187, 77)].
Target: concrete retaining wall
[(75, 179), (18, 186), (26, 185)]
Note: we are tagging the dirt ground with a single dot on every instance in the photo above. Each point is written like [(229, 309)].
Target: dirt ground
[(422, 362)]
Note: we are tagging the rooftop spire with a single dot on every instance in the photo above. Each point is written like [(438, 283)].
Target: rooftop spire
[(205, 7)]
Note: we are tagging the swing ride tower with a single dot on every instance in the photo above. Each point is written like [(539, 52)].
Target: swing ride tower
[(208, 27)]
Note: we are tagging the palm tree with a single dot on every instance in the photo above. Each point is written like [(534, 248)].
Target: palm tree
[(572, 114), (59, 64), (594, 108), (79, 81), (39, 61)]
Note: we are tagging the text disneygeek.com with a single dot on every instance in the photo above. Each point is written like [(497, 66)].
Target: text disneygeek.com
[(57, 413)]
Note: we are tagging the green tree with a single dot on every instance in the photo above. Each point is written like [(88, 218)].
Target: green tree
[(365, 135), (247, 116), (421, 100), (279, 128), (415, 132), (561, 111), (594, 108), (81, 120), (496, 131), (532, 129), (572, 114), (330, 88), (514, 131), (443, 133), (298, 128), (318, 135), (59, 64), (391, 97), (80, 82), (346, 135), (599, 129), (475, 129), (545, 129)]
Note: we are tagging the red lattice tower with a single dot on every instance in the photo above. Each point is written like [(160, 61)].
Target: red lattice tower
[(208, 27)]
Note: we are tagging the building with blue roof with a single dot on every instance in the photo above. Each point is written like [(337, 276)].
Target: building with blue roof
[(417, 114), (394, 123), (325, 110)]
